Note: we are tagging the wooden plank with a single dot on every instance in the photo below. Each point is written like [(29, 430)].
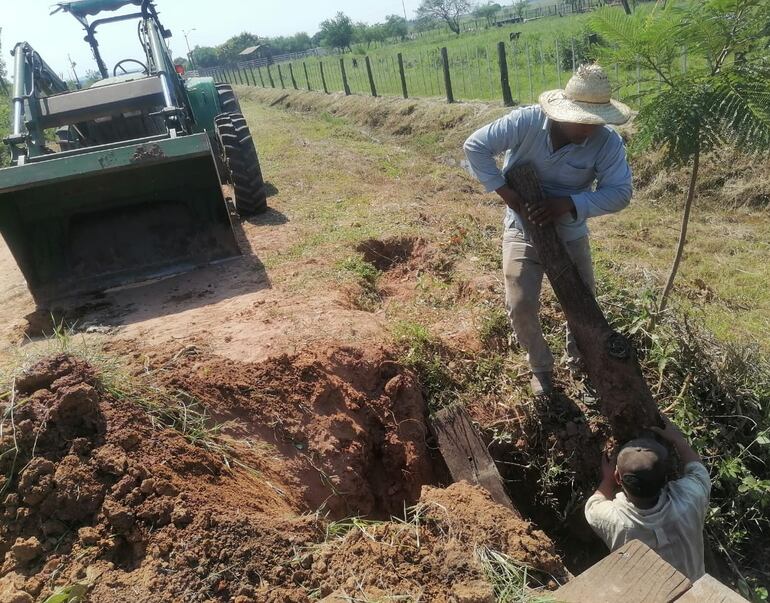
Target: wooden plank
[(710, 590), (632, 574), (609, 357), (466, 455)]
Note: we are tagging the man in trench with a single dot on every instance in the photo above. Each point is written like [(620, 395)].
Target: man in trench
[(581, 163)]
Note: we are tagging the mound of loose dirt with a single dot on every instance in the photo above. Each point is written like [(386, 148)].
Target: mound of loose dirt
[(99, 497), (433, 556)]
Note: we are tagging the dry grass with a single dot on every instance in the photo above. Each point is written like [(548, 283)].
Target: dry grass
[(402, 159)]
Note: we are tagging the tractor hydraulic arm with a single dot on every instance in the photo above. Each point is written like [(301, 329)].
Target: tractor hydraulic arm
[(32, 77)]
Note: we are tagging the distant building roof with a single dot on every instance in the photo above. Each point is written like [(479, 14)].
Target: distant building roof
[(253, 49)]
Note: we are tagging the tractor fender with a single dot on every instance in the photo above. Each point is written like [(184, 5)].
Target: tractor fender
[(204, 103)]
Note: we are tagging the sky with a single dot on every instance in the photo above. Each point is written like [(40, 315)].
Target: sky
[(56, 36)]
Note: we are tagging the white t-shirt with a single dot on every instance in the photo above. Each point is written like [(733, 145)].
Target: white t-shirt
[(673, 528)]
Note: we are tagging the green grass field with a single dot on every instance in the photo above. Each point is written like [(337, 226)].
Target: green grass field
[(542, 58)]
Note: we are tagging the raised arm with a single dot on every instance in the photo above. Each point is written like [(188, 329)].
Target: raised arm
[(677, 439)]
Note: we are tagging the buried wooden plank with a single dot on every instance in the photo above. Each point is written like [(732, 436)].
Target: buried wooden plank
[(466, 455), (710, 590), (609, 357), (632, 574)]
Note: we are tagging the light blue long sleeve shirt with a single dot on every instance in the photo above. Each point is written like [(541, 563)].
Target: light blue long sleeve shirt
[(524, 137)]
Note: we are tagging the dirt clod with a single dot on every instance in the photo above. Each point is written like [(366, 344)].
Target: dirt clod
[(25, 550)]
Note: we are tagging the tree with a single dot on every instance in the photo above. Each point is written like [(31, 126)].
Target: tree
[(366, 34), (229, 50), (205, 56), (448, 11), (722, 98), (338, 32), (396, 27), (487, 11), (3, 72), (521, 8)]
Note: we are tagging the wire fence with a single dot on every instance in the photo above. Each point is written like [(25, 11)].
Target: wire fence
[(515, 71)]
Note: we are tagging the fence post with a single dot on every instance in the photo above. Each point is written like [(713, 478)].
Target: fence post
[(291, 75), (345, 85), (323, 77), (558, 63), (246, 75), (270, 76), (529, 72), (447, 78), (253, 77), (280, 76), (370, 75), (504, 84), (238, 76), (402, 74), (261, 79), (307, 77)]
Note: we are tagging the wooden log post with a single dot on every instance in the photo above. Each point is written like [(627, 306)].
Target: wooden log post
[(307, 77), (370, 75), (246, 76), (280, 76), (291, 76), (402, 73), (466, 455), (450, 97), (323, 77), (270, 76), (261, 79), (345, 85), (505, 85), (609, 357)]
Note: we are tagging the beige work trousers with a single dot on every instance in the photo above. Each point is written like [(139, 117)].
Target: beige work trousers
[(523, 282)]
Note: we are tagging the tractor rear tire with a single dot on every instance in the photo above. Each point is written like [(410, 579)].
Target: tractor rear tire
[(227, 99), (241, 163)]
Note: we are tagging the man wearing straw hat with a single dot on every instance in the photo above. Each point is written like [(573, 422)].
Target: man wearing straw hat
[(582, 166)]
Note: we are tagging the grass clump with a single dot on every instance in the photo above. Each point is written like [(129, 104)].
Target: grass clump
[(509, 578), (450, 376), (363, 276)]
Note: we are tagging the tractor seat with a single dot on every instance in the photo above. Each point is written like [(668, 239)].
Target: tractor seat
[(100, 101)]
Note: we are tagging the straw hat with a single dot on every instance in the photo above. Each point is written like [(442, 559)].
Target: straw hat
[(585, 100)]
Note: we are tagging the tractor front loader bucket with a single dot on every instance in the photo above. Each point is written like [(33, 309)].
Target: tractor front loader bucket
[(82, 222)]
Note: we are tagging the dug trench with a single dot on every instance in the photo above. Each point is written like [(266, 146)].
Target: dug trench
[(272, 481)]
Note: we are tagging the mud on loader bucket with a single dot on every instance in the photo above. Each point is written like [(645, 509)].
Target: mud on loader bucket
[(119, 214)]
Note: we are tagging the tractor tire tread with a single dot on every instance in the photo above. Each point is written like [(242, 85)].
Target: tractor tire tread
[(242, 163)]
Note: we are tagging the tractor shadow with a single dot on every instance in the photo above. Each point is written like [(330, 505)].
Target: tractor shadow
[(205, 286)]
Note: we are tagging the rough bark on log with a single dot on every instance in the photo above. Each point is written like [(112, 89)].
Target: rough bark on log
[(609, 357)]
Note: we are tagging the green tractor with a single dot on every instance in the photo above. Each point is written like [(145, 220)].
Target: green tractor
[(121, 182)]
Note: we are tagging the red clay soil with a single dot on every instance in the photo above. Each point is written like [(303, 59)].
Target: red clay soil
[(350, 426), (433, 558), (100, 496)]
